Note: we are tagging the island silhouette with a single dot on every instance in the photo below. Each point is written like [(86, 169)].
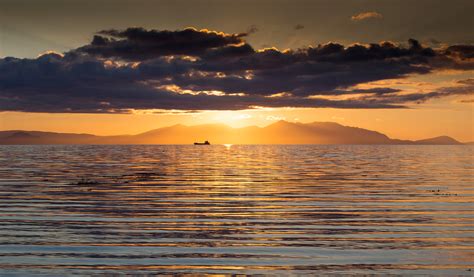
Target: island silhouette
[(281, 132)]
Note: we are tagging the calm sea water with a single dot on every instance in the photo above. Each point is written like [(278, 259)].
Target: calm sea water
[(85, 210)]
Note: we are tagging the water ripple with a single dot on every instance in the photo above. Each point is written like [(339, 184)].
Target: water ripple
[(86, 210)]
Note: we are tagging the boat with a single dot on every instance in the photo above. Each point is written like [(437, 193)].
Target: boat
[(202, 143)]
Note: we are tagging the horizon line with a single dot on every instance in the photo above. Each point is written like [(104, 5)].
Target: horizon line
[(231, 127)]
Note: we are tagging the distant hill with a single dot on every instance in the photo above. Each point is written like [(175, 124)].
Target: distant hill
[(281, 132), (36, 137), (442, 140)]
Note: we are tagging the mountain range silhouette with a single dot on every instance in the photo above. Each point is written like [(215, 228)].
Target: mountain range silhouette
[(281, 132)]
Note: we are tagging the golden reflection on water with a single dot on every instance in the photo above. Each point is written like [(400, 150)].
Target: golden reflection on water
[(236, 209)]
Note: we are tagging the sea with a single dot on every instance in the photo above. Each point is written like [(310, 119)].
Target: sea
[(91, 210)]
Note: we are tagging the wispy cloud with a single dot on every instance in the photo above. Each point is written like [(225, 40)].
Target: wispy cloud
[(366, 15)]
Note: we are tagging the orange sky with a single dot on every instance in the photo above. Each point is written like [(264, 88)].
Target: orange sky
[(455, 121), (27, 31), (444, 116)]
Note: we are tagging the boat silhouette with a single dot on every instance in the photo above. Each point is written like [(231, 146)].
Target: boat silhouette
[(202, 143)]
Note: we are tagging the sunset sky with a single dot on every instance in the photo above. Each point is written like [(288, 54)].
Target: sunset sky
[(404, 68)]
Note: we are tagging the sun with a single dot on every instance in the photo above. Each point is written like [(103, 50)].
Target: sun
[(231, 118)]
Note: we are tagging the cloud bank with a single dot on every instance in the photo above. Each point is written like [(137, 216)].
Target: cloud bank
[(134, 69)]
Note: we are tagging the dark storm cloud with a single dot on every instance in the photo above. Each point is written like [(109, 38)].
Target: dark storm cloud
[(464, 52), (124, 70), (465, 87), (141, 44), (312, 70), (54, 84)]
